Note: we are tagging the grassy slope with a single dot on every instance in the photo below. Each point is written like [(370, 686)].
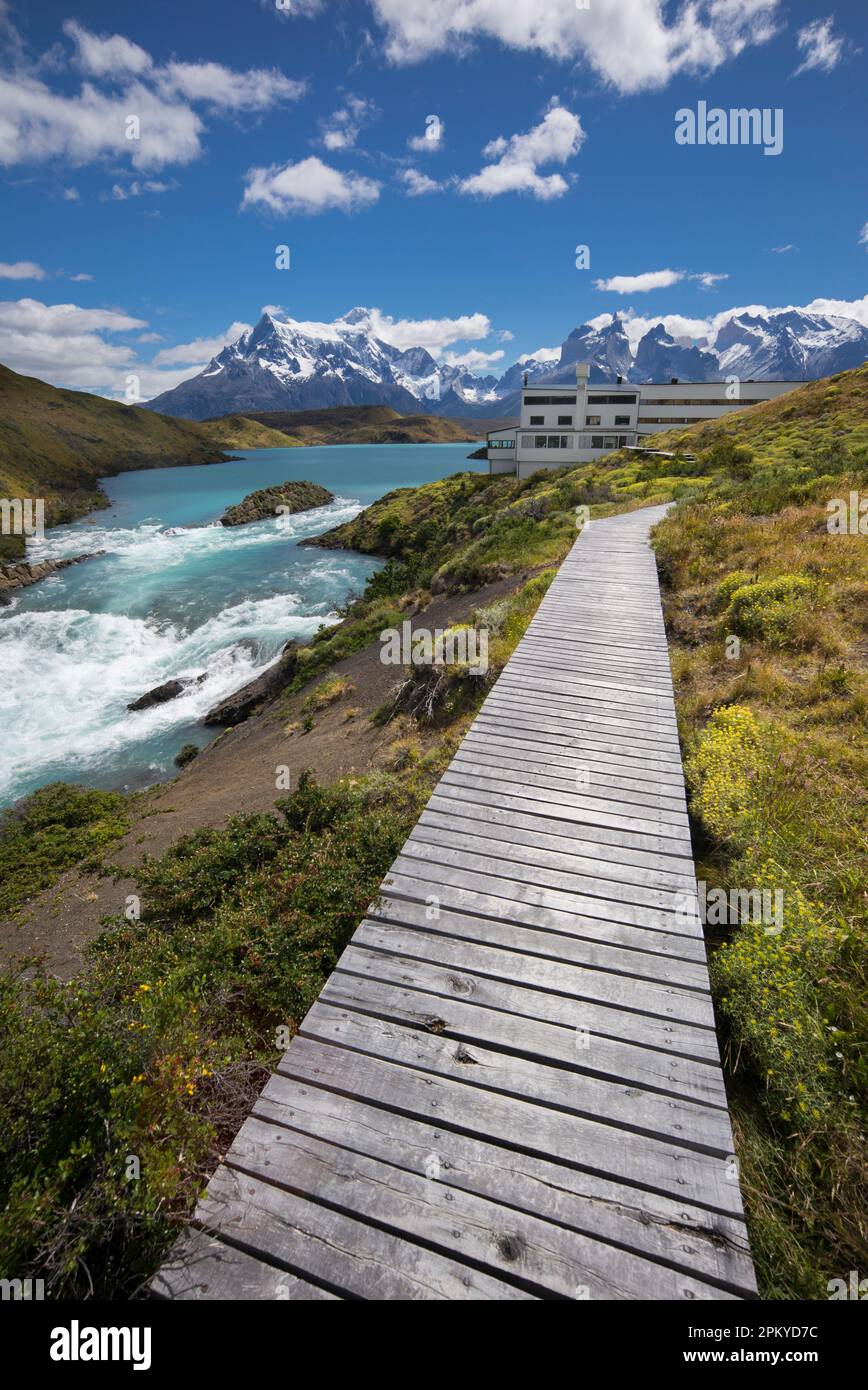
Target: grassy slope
[(239, 432), (367, 424), (777, 766), (56, 444)]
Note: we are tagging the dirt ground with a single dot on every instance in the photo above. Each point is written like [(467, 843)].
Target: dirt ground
[(234, 775)]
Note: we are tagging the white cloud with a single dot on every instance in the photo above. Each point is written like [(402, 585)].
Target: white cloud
[(120, 193), (111, 57), (475, 360), (70, 195), (863, 236), (708, 278), (38, 123), (200, 350), (556, 139), (822, 48), (640, 284), (433, 334), (64, 344), (255, 90), (21, 270), (546, 354), (77, 279), (631, 44), (418, 183), (307, 187), (782, 250), (341, 130)]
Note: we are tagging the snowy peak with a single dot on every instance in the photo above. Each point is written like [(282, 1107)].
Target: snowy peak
[(289, 364)]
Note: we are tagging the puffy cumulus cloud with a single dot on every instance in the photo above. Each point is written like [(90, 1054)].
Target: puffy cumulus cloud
[(556, 139), (65, 344), (37, 125), (821, 48), (40, 124), (475, 360), (433, 334), (21, 270), (200, 350), (112, 56), (631, 44), (863, 235), (310, 186)]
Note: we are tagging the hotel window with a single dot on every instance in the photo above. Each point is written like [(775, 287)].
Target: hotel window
[(565, 419), (539, 441), (537, 420), (612, 400), (501, 443), (554, 441), (596, 441), (622, 419), (549, 400), (592, 419)]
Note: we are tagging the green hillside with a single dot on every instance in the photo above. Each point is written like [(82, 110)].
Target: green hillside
[(57, 444), (239, 432), (368, 424)]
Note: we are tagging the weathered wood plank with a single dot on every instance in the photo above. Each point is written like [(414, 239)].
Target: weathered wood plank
[(203, 1267), (676, 1233), (353, 1258)]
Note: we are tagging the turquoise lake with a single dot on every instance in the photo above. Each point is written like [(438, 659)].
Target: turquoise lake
[(177, 594)]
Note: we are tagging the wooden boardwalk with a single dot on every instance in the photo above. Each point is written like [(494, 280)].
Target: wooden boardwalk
[(510, 1086)]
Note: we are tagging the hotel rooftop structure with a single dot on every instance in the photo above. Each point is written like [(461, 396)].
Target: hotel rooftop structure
[(577, 424)]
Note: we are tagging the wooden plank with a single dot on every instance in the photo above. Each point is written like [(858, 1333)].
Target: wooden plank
[(353, 1258), (666, 1000), (506, 1017), (541, 1066), (507, 980), (677, 1234), (202, 1267), (436, 1095), (612, 946), (562, 889), (542, 1257)]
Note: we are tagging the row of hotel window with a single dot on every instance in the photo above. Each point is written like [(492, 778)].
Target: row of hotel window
[(589, 420), (569, 441)]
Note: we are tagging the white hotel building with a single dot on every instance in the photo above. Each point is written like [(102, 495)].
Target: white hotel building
[(577, 424)]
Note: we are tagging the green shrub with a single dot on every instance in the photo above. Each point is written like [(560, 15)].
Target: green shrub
[(769, 610), (58, 826), (187, 754), (729, 584)]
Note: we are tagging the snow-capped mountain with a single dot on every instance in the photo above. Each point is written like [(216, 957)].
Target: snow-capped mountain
[(284, 364), (791, 345)]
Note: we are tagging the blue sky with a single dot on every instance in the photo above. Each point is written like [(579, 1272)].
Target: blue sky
[(261, 126)]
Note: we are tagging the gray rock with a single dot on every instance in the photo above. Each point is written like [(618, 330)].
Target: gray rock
[(244, 702)]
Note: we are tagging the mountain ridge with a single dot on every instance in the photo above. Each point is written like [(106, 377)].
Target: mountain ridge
[(286, 365)]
